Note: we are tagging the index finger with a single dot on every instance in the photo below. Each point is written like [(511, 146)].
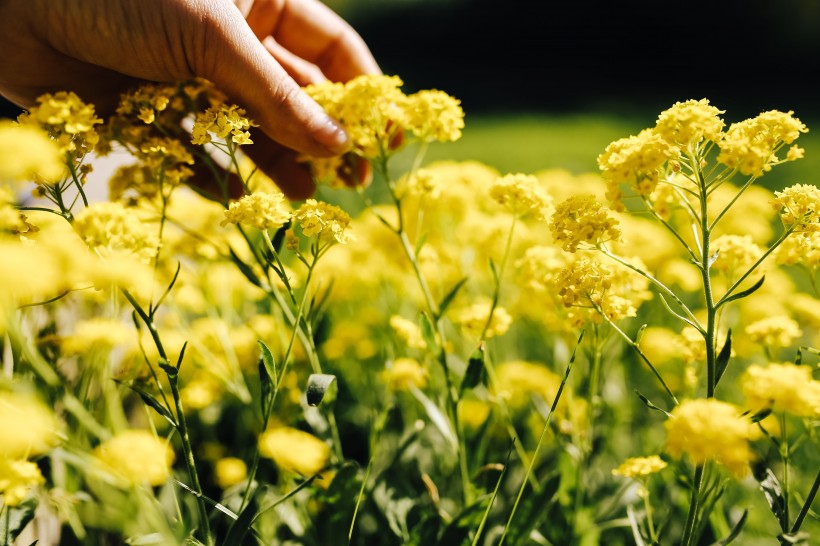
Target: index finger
[(314, 32)]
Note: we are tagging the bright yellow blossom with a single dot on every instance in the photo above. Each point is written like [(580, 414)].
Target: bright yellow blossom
[(69, 120), (782, 387), (750, 145), (294, 450), (328, 222), (403, 373), (522, 195), (136, 456), (261, 210), (775, 332), (17, 478), (690, 122), (799, 207), (581, 219), (110, 227), (434, 115), (27, 426), (640, 467), (708, 429), (230, 471), (27, 153), (224, 122), (473, 319)]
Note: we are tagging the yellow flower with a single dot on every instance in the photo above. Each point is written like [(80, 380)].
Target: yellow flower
[(42, 276), (800, 248), (690, 122), (67, 119), (230, 471), (473, 413), (659, 345), (97, 333), (294, 450), (473, 319), (434, 115), (224, 122), (27, 426), (328, 222), (749, 146), (775, 332), (27, 153), (110, 227), (581, 219), (708, 429), (137, 456), (782, 387), (735, 254), (408, 331), (636, 160), (403, 373), (799, 207), (17, 478), (640, 467), (522, 195), (262, 210), (517, 381), (692, 345)]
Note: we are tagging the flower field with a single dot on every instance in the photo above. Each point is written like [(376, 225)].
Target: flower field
[(427, 352)]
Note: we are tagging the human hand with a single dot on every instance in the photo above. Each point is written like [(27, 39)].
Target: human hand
[(259, 52)]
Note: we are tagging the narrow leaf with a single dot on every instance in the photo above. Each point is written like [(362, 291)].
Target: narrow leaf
[(773, 494), (279, 236), (428, 331), (242, 525), (723, 357), (245, 269), (475, 370), (635, 525), (486, 515), (420, 243), (17, 519), (436, 417), (746, 292), (317, 387), (154, 404), (650, 405), (735, 531), (267, 361), (450, 296)]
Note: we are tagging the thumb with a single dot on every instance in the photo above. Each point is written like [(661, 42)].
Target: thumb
[(225, 51)]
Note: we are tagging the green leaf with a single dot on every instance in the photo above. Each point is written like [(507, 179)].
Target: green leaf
[(240, 528), (650, 405), (532, 509), (279, 237), (267, 372), (154, 404), (18, 518), (637, 533), (723, 358), (486, 515), (773, 493), (436, 416), (450, 296), (245, 269), (475, 370), (458, 530), (746, 292), (317, 387), (428, 331), (420, 243), (735, 531)]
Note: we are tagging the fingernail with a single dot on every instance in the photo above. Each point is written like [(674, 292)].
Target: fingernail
[(332, 136)]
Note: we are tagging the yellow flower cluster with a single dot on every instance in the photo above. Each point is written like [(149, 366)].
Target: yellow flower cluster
[(97, 334), (230, 471), (294, 450), (750, 145), (408, 331), (708, 429), (690, 122), (637, 160), (17, 478), (69, 120), (110, 228), (775, 332), (222, 121), (782, 387), (802, 248), (640, 467), (735, 254), (517, 381), (27, 153), (473, 319), (799, 207), (261, 210), (328, 222), (522, 195), (136, 456), (403, 373), (434, 115), (581, 219)]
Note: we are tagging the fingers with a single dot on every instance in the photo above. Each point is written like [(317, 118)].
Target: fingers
[(223, 49), (312, 31), (299, 69)]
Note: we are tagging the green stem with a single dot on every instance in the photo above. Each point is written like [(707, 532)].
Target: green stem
[(649, 523), (807, 505), (689, 529)]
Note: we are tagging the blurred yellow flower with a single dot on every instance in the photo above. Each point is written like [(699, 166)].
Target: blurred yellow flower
[(775, 332), (708, 429), (110, 227), (517, 381), (782, 387), (17, 478), (137, 456), (473, 320), (640, 467), (522, 195), (230, 471), (27, 426), (98, 334), (27, 153), (294, 450), (408, 331), (403, 373)]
